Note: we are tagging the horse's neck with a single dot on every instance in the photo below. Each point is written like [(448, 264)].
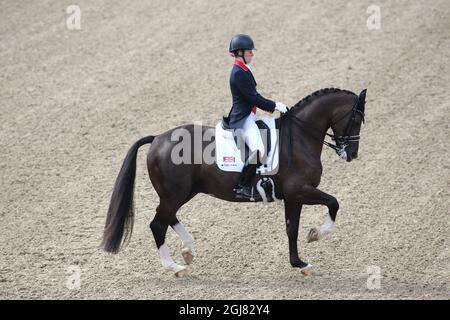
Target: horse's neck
[(316, 119), (311, 130), (317, 116)]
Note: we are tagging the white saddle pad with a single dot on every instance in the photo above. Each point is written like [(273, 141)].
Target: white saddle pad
[(228, 156)]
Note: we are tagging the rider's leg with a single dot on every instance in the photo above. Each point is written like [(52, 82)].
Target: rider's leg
[(252, 136), (249, 170), (256, 146)]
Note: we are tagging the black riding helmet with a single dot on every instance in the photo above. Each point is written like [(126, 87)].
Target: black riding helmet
[(241, 42)]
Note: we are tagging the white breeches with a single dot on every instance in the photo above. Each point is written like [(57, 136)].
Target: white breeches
[(252, 136)]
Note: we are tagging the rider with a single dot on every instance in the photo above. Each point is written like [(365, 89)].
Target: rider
[(243, 113)]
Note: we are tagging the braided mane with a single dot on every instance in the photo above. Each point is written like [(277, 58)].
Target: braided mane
[(317, 94)]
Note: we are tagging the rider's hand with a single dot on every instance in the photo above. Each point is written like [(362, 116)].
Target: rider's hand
[(281, 107)]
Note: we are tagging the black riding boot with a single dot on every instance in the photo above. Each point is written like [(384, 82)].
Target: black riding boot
[(244, 189)]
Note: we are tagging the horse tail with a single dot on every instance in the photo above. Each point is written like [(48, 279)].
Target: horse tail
[(120, 218)]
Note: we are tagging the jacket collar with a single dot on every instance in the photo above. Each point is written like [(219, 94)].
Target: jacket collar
[(241, 64)]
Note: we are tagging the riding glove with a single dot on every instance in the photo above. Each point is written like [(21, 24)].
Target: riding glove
[(281, 107)]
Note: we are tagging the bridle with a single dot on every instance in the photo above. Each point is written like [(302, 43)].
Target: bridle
[(342, 141)]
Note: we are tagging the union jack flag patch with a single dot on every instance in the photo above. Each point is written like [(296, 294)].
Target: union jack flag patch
[(228, 159)]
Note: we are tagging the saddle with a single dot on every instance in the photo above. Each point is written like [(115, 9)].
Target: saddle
[(231, 155)]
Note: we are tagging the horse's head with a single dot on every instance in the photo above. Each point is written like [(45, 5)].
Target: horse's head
[(347, 127)]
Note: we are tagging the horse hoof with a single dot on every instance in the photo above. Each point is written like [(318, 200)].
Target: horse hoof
[(313, 235), (187, 255), (182, 273), (307, 271)]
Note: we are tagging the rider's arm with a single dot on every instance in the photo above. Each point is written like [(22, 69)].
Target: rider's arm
[(248, 90)]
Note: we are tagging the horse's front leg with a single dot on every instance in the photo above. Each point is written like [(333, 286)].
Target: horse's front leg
[(311, 195), (292, 211)]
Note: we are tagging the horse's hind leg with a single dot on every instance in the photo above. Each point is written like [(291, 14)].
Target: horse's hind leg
[(165, 216), (188, 241), (173, 184)]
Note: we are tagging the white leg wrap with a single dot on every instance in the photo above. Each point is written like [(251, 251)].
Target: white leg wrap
[(166, 259), (185, 236), (326, 228)]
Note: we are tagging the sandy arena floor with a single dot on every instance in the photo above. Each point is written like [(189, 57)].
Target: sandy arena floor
[(73, 102)]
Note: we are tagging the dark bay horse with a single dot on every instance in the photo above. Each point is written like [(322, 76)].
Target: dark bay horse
[(302, 131)]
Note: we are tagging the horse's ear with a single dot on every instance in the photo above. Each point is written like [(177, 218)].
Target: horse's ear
[(362, 100)]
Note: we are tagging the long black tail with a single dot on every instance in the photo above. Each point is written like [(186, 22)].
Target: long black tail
[(120, 218)]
